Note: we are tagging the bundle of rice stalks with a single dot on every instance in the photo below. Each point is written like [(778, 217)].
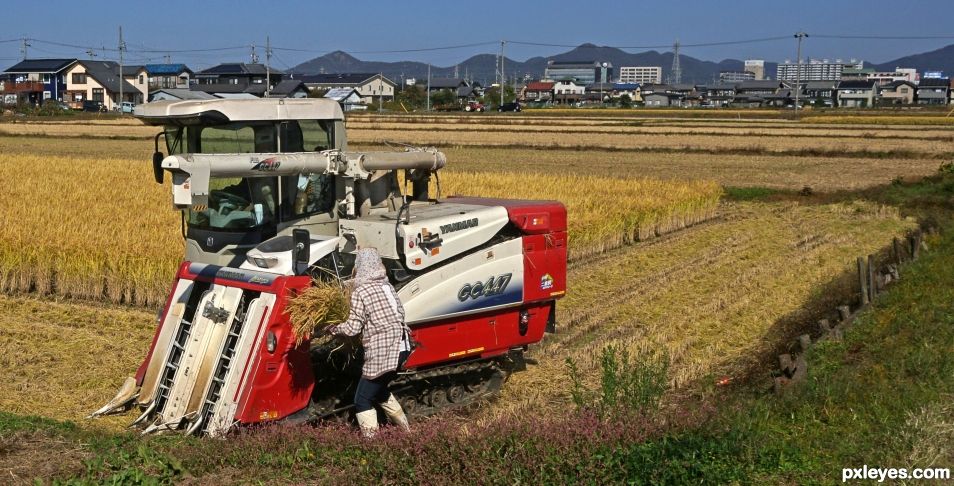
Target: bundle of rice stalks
[(317, 307)]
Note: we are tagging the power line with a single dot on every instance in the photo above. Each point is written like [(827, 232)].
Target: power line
[(883, 37)]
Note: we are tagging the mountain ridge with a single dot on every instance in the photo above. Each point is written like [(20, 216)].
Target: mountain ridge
[(482, 67)]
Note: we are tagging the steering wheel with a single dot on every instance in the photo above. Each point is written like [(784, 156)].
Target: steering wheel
[(219, 196)]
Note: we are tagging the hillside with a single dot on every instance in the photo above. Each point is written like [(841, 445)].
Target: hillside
[(937, 60), (482, 66)]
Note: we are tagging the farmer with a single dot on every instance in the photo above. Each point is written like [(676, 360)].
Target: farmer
[(376, 314)]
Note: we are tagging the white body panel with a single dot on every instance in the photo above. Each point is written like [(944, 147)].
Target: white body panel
[(201, 353), (250, 340), (281, 262), (461, 227), (160, 354), (439, 294)]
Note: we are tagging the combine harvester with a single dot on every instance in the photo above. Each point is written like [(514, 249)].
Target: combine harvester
[(271, 199)]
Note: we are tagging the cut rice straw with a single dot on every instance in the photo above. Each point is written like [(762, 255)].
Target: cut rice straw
[(317, 307)]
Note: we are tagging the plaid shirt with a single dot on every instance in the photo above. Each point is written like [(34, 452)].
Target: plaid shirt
[(376, 314)]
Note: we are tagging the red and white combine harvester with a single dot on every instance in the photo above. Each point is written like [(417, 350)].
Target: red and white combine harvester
[(271, 199)]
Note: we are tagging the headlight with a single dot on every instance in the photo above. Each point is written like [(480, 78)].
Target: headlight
[(261, 261)]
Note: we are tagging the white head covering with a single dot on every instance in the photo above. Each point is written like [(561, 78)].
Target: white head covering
[(368, 267)]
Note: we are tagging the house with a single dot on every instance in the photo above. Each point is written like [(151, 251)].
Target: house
[(662, 99), (237, 78), (632, 90), (934, 91), (780, 98), (719, 94), (99, 81), (897, 93), (466, 93), (370, 86), (537, 91), (689, 92), (598, 92), (650, 88), (164, 76), (178, 94), (348, 98), (137, 76), (437, 84), (289, 88), (35, 80), (820, 93), (753, 93), (856, 94), (567, 91)]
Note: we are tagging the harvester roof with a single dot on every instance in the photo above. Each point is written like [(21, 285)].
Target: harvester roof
[(225, 110)]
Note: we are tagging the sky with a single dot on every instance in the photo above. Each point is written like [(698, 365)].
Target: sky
[(301, 30)]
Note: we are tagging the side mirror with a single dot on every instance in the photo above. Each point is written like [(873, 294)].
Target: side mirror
[(157, 166), (301, 252)]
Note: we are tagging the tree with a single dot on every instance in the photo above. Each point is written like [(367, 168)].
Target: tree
[(492, 95), (625, 101)]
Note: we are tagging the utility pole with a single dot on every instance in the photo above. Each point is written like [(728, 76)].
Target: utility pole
[(798, 68), (268, 71), (380, 91), (676, 66), (24, 44), (428, 86), (503, 60), (122, 50), (254, 55)]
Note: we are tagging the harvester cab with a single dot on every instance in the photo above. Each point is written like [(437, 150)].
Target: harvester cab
[(270, 199)]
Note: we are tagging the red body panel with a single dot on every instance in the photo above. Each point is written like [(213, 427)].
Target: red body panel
[(531, 217)]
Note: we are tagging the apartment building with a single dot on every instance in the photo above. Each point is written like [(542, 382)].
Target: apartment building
[(640, 74)]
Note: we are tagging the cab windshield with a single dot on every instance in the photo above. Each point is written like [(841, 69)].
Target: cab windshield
[(237, 203), (240, 203)]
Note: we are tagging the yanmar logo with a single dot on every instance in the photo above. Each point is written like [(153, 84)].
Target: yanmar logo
[(460, 225), (266, 165)]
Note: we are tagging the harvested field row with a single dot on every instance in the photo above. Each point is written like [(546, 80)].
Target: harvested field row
[(825, 174), (809, 132), (892, 119), (112, 235), (137, 131), (806, 122), (715, 298), (63, 360), (691, 143)]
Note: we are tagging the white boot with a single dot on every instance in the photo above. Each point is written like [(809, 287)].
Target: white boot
[(392, 408), (368, 422)]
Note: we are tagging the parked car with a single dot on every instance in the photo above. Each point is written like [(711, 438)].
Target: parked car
[(474, 106), (509, 107), (126, 106), (94, 106)]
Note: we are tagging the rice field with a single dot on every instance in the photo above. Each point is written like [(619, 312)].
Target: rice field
[(83, 220)]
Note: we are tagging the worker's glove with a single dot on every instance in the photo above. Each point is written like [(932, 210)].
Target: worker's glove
[(330, 330)]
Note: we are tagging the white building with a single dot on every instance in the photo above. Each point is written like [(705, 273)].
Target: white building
[(815, 69), (640, 74), (756, 67), (899, 74)]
